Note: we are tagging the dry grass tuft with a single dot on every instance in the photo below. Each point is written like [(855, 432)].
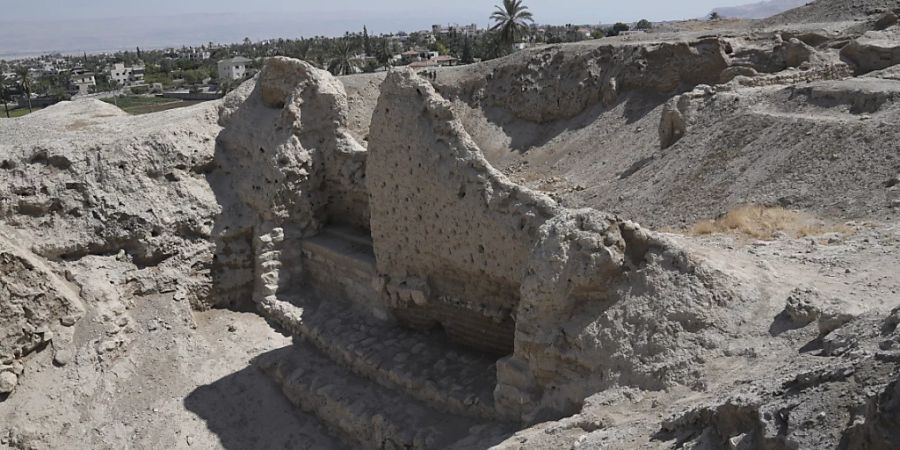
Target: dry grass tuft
[(764, 223)]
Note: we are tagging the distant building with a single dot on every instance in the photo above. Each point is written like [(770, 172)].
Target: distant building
[(445, 60), (428, 55), (233, 68), (82, 80), (194, 54), (417, 55), (440, 30), (126, 76), (409, 56)]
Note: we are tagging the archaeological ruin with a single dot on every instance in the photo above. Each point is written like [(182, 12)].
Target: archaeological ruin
[(539, 251)]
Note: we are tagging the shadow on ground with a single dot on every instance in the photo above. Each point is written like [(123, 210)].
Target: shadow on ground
[(246, 410)]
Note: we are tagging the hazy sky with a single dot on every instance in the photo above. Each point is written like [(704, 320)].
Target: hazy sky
[(33, 27), (352, 11)]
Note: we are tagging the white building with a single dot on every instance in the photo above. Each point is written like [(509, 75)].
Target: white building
[(234, 68), (194, 54), (82, 80), (126, 76)]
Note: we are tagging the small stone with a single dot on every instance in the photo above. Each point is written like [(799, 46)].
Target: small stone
[(62, 357), (8, 382), (232, 328), (152, 325), (832, 320), (189, 440), (800, 308), (68, 321), (894, 181), (108, 346)]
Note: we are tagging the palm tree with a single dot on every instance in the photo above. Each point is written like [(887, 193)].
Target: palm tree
[(342, 63), (383, 54), (25, 81), (4, 97), (511, 21)]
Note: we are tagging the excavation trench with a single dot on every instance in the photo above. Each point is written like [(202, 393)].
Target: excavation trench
[(414, 266)]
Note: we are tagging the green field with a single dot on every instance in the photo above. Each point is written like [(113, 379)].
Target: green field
[(136, 104)]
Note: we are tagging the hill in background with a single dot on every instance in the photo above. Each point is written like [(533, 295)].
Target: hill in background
[(759, 10)]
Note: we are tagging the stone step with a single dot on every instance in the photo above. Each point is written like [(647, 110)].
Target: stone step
[(424, 366), (339, 263), (348, 234), (368, 415), (347, 253)]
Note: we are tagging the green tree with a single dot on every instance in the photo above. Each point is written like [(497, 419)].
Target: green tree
[(643, 24), (511, 21), (383, 54), (367, 45), (25, 82), (617, 29), (466, 57), (227, 86), (714, 16), (4, 96), (195, 76), (439, 47), (342, 62)]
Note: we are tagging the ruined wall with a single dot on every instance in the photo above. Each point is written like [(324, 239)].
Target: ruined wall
[(287, 168), (597, 301), (607, 303), (559, 82), (448, 229), (84, 178)]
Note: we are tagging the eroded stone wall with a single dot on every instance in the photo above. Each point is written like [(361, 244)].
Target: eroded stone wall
[(449, 231), (288, 168), (559, 82), (595, 301)]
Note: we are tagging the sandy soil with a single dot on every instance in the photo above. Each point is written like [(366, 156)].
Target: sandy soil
[(183, 382)]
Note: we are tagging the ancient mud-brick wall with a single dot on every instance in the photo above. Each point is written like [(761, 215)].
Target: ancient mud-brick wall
[(596, 301), (560, 82), (288, 167), (451, 234)]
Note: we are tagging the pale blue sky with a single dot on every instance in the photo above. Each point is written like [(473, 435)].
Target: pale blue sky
[(353, 11)]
